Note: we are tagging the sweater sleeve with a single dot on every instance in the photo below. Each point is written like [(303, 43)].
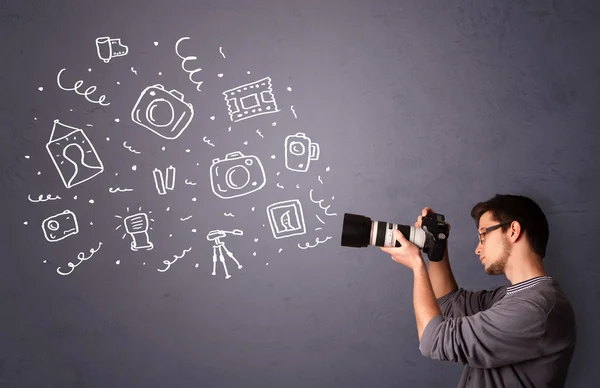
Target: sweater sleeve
[(504, 334), (462, 303)]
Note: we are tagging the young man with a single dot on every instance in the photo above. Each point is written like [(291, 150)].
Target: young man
[(521, 335)]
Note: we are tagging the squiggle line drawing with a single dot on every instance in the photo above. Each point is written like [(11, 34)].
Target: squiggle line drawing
[(259, 134), (228, 214), (168, 263), (130, 149), (81, 257), (320, 179), (318, 218), (318, 229), (185, 219), (40, 199), (188, 182), (118, 190), (280, 186), (184, 60), (86, 93), (221, 51), (207, 141), (307, 245), (320, 205), (133, 70), (293, 111)]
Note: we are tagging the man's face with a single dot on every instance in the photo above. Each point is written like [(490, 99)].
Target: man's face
[(496, 248)]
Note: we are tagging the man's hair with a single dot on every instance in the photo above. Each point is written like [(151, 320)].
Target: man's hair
[(507, 208)]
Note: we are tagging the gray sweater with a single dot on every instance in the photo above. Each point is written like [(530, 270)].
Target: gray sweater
[(513, 336)]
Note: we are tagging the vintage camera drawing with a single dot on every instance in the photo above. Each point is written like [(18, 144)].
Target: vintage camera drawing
[(236, 175), (59, 226), (299, 151), (163, 112)]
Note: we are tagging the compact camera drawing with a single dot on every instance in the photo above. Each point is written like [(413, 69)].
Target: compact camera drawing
[(163, 112), (236, 175), (299, 151), (59, 226)]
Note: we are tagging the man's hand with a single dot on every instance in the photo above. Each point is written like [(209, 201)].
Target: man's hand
[(407, 254)]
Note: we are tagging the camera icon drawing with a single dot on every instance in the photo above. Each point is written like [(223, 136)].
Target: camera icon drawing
[(162, 112), (299, 151), (236, 175)]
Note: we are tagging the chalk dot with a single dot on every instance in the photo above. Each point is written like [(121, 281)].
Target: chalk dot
[(39, 173), (252, 208), (274, 124), (246, 142), (255, 240), (118, 83), (144, 263), (117, 120), (170, 235), (25, 223), (91, 201), (196, 265), (220, 75), (169, 208), (267, 264), (155, 43), (44, 261), (280, 249), (229, 129), (26, 156), (163, 148), (248, 72), (197, 164), (188, 150), (134, 167), (289, 89), (327, 169), (159, 73), (35, 118), (194, 230), (108, 139), (116, 173), (263, 225), (75, 197), (212, 117), (91, 223), (253, 253), (332, 197), (118, 262), (278, 173), (89, 69), (272, 156), (41, 88), (71, 110), (297, 186), (194, 199)]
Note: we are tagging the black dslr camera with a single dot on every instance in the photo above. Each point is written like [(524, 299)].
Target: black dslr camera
[(360, 231)]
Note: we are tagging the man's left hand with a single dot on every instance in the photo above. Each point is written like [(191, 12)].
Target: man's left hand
[(407, 254)]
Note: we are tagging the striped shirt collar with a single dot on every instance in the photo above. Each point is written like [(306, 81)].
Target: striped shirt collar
[(527, 283)]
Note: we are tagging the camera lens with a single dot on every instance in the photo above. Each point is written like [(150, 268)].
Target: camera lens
[(237, 177), (158, 110), (360, 231), (297, 148)]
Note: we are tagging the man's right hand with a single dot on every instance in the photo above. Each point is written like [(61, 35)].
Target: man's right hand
[(424, 213)]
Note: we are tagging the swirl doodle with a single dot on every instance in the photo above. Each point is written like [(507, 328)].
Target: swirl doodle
[(119, 190), (320, 205), (189, 182), (86, 93), (184, 60), (221, 51), (81, 257), (259, 134), (168, 263), (40, 199), (307, 244), (185, 219), (130, 149), (228, 214), (207, 141)]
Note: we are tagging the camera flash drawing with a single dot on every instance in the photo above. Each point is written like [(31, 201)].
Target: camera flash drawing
[(72, 145), (236, 175), (299, 151), (163, 112), (286, 218), (108, 48), (164, 184), (137, 225), (249, 100), (60, 226), (219, 246)]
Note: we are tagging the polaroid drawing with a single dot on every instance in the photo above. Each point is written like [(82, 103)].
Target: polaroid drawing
[(249, 100), (71, 145), (286, 218)]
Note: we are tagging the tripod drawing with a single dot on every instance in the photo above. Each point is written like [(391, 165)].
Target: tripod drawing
[(219, 246)]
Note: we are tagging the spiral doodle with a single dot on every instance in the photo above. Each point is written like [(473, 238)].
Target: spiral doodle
[(184, 60)]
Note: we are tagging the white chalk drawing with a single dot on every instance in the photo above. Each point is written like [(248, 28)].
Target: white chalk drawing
[(286, 218), (60, 226), (319, 178), (118, 190), (293, 111), (228, 214), (219, 246), (317, 242), (72, 145), (207, 141), (108, 48), (221, 51), (259, 134), (41, 199), (166, 183), (81, 257), (137, 225), (130, 149), (319, 218), (86, 93), (318, 229), (184, 60), (185, 219), (280, 186), (134, 71), (249, 100), (299, 151), (189, 182), (236, 175), (320, 204), (168, 263), (163, 112)]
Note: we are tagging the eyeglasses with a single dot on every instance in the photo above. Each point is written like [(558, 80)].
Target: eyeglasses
[(489, 229)]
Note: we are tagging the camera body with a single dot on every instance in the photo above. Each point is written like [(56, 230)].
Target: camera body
[(162, 112), (299, 151), (60, 226), (236, 175), (434, 223)]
